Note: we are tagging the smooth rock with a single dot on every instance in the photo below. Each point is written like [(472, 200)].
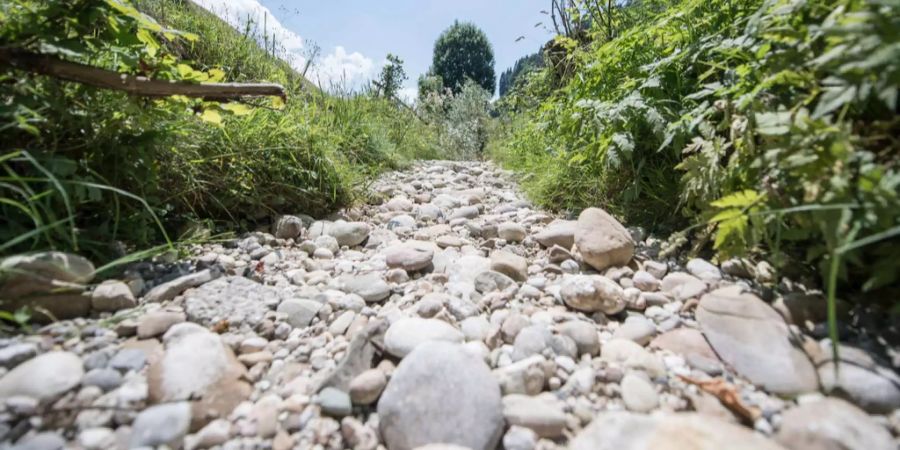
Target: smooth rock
[(632, 356), (831, 424), (157, 323), (692, 345), (371, 287), (636, 328), (406, 334), (410, 256), (161, 425), (440, 393), (593, 293), (366, 387), (492, 281), (334, 402), (519, 438), (559, 232), (111, 296), (683, 286), (287, 227), (683, 431), (542, 415), (168, 291), (300, 312), (602, 240), (584, 334), (509, 264), (639, 394), (14, 354), (349, 234), (198, 366), (511, 232), (753, 339), (43, 377), (532, 340)]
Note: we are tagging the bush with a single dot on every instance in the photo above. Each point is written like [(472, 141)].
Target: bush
[(766, 124), (461, 120), (101, 172)]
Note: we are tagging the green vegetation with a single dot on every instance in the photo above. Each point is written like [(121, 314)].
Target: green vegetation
[(515, 74), (101, 172), (463, 52), (759, 126)]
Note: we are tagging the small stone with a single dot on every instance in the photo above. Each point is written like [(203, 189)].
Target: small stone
[(366, 387), (519, 438), (300, 312), (287, 227), (214, 433), (639, 394), (334, 402), (584, 335), (128, 359), (704, 270), (168, 291), (161, 425), (683, 286), (492, 281), (105, 379), (511, 232), (532, 340), (358, 435), (349, 234), (632, 356), (645, 281), (636, 328), (509, 264), (411, 257), (371, 287), (157, 323), (12, 355), (406, 334), (97, 439), (559, 233), (656, 268), (42, 441), (111, 296), (602, 240), (544, 417), (592, 293)]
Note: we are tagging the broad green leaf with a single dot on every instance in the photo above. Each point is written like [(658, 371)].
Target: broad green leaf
[(211, 116)]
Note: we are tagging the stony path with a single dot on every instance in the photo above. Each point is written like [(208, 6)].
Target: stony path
[(448, 311)]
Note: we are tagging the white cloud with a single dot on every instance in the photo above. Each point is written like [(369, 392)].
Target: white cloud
[(408, 95), (337, 69)]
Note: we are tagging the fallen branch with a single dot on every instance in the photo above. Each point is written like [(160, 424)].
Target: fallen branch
[(132, 84)]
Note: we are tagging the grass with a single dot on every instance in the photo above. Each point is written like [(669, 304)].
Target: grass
[(104, 174)]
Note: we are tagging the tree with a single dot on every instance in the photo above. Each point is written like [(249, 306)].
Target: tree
[(463, 52), (392, 76), (524, 65)]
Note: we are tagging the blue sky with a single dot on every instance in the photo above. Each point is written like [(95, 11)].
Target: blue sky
[(355, 36)]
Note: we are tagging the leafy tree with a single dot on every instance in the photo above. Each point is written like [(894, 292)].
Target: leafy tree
[(392, 76), (463, 52), (524, 65)]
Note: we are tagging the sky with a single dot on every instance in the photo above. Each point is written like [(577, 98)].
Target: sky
[(355, 36)]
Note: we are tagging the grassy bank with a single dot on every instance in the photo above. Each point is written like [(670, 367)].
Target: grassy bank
[(101, 172), (765, 126)]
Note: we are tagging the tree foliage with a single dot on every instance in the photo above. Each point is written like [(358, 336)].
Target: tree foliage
[(463, 52), (392, 77), (522, 67)]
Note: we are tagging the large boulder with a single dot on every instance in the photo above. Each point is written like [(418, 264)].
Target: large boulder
[(50, 283), (198, 367), (831, 424), (752, 338), (685, 431), (440, 393), (602, 240)]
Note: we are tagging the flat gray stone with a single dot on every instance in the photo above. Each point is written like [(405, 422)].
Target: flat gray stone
[(683, 431), (161, 425), (43, 377), (440, 393), (542, 415), (169, 290), (405, 335), (371, 286), (300, 312), (831, 424), (239, 300), (753, 339)]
